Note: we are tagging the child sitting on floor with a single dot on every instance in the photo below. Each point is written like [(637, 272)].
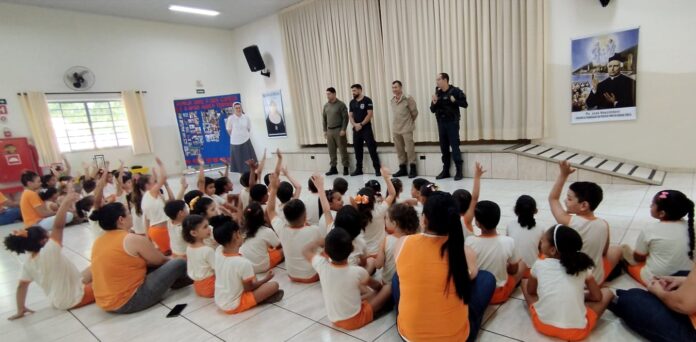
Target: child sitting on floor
[(665, 247), (350, 296), (495, 253), (236, 287), (261, 245), (555, 291), (200, 257), (525, 232), (406, 222)]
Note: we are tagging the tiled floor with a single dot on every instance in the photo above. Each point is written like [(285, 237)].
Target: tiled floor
[(301, 316)]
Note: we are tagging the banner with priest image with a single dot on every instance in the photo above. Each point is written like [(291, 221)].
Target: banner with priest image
[(603, 81)]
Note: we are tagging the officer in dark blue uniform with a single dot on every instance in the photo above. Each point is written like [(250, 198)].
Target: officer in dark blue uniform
[(445, 104), (360, 115)]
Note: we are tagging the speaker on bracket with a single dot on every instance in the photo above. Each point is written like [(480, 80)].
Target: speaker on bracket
[(255, 61), (604, 2)]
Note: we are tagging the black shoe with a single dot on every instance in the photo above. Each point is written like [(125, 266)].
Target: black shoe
[(357, 172), (402, 171), (413, 173), (458, 175), (444, 174), (345, 171), (332, 171)]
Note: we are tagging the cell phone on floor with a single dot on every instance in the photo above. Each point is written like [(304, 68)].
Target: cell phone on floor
[(176, 311)]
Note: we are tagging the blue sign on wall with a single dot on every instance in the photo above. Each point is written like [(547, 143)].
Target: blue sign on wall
[(202, 127)]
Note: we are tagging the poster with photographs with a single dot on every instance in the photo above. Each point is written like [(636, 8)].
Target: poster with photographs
[(202, 127), (603, 80), (273, 112)]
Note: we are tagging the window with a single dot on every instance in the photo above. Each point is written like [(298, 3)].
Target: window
[(88, 125)]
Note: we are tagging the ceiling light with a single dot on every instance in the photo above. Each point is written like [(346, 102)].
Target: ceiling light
[(193, 10)]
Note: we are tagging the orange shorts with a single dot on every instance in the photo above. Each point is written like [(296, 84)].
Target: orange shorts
[(607, 269), (160, 236), (206, 287), (87, 297), (246, 302), (275, 256), (502, 294), (563, 333), (634, 272), (313, 279), (358, 321)]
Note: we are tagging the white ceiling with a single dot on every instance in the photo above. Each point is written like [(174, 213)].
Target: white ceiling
[(233, 13)]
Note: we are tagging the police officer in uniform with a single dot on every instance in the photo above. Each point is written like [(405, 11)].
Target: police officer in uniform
[(445, 104), (360, 114)]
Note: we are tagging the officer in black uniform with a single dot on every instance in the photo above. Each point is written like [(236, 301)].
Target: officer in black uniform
[(445, 104), (360, 114)]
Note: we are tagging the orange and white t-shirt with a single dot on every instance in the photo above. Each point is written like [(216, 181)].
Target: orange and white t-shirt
[(389, 245), (255, 249), (55, 274), (561, 295), (200, 262), (231, 271), (176, 240), (595, 235), (153, 209), (493, 254), (340, 287), (294, 240), (27, 205)]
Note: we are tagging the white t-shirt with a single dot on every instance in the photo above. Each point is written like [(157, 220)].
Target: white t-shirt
[(526, 241), (390, 242), (340, 286), (56, 275), (239, 128), (322, 222), (561, 295), (359, 250), (138, 223), (153, 209), (244, 197), (311, 202), (493, 254), (94, 226), (176, 240), (294, 240), (255, 249), (595, 235), (123, 199), (230, 274), (667, 246), (467, 233), (375, 230), (109, 190), (219, 200), (200, 262)]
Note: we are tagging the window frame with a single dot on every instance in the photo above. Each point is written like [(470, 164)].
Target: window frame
[(85, 103)]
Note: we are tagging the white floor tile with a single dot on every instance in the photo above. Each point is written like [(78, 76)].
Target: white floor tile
[(81, 336), (44, 325), (274, 324), (308, 303), (371, 331), (213, 320), (320, 332), (512, 320)]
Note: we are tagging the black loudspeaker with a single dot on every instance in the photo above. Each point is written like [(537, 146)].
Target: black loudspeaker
[(253, 57), (604, 2)]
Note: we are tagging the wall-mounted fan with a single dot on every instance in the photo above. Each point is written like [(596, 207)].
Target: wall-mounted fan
[(79, 78)]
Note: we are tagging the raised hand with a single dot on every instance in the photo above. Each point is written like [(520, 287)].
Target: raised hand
[(566, 169), (478, 170), (200, 160), (318, 180)]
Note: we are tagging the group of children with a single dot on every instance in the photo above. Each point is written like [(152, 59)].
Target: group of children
[(349, 243)]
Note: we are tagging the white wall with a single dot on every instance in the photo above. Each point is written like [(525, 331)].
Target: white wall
[(39, 44), (267, 35), (663, 134)]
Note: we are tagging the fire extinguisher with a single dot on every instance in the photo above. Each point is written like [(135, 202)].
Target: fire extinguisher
[(7, 133)]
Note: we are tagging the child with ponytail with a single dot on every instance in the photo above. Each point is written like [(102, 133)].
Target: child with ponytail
[(555, 292), (261, 244), (467, 202), (525, 231), (664, 247), (374, 214), (64, 285)]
